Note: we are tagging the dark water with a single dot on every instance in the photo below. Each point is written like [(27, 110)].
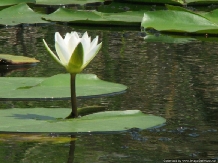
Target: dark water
[(176, 81)]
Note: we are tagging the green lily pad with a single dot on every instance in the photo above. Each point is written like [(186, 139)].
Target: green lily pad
[(19, 14), (94, 17), (7, 59), (56, 87), (212, 16), (13, 2), (197, 2), (66, 2), (175, 2), (182, 22), (178, 8), (47, 120), (68, 15)]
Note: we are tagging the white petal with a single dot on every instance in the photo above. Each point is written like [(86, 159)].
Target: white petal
[(91, 55), (61, 41), (86, 44), (85, 36), (63, 53), (94, 43), (72, 43), (58, 37), (76, 35), (67, 37), (51, 53)]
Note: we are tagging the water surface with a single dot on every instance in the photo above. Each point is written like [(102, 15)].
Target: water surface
[(176, 81)]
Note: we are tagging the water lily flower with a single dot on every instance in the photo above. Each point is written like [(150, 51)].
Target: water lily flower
[(74, 52)]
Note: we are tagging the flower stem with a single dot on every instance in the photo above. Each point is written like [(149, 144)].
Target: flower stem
[(73, 113)]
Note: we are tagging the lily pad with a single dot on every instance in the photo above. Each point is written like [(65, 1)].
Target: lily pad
[(178, 8), (197, 2), (212, 16), (94, 17), (19, 14), (56, 87), (182, 22), (39, 120), (13, 2), (66, 2), (175, 2), (7, 59)]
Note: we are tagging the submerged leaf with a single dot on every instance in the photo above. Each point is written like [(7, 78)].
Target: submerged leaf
[(168, 39)]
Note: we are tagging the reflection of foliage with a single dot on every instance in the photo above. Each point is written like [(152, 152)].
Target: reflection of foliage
[(162, 77), (205, 65), (116, 7)]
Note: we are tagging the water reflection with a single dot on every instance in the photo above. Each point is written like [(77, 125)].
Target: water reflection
[(6, 70), (175, 81), (72, 150)]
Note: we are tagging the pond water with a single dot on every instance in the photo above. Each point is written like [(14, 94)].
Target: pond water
[(176, 81)]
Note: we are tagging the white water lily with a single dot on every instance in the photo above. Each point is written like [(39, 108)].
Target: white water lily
[(74, 52)]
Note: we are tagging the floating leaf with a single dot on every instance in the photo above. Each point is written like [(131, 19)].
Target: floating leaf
[(67, 15), (66, 2), (47, 120), (90, 109), (197, 2), (212, 16), (178, 21), (177, 8), (19, 14), (56, 87), (94, 17), (175, 2), (13, 2), (7, 59)]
